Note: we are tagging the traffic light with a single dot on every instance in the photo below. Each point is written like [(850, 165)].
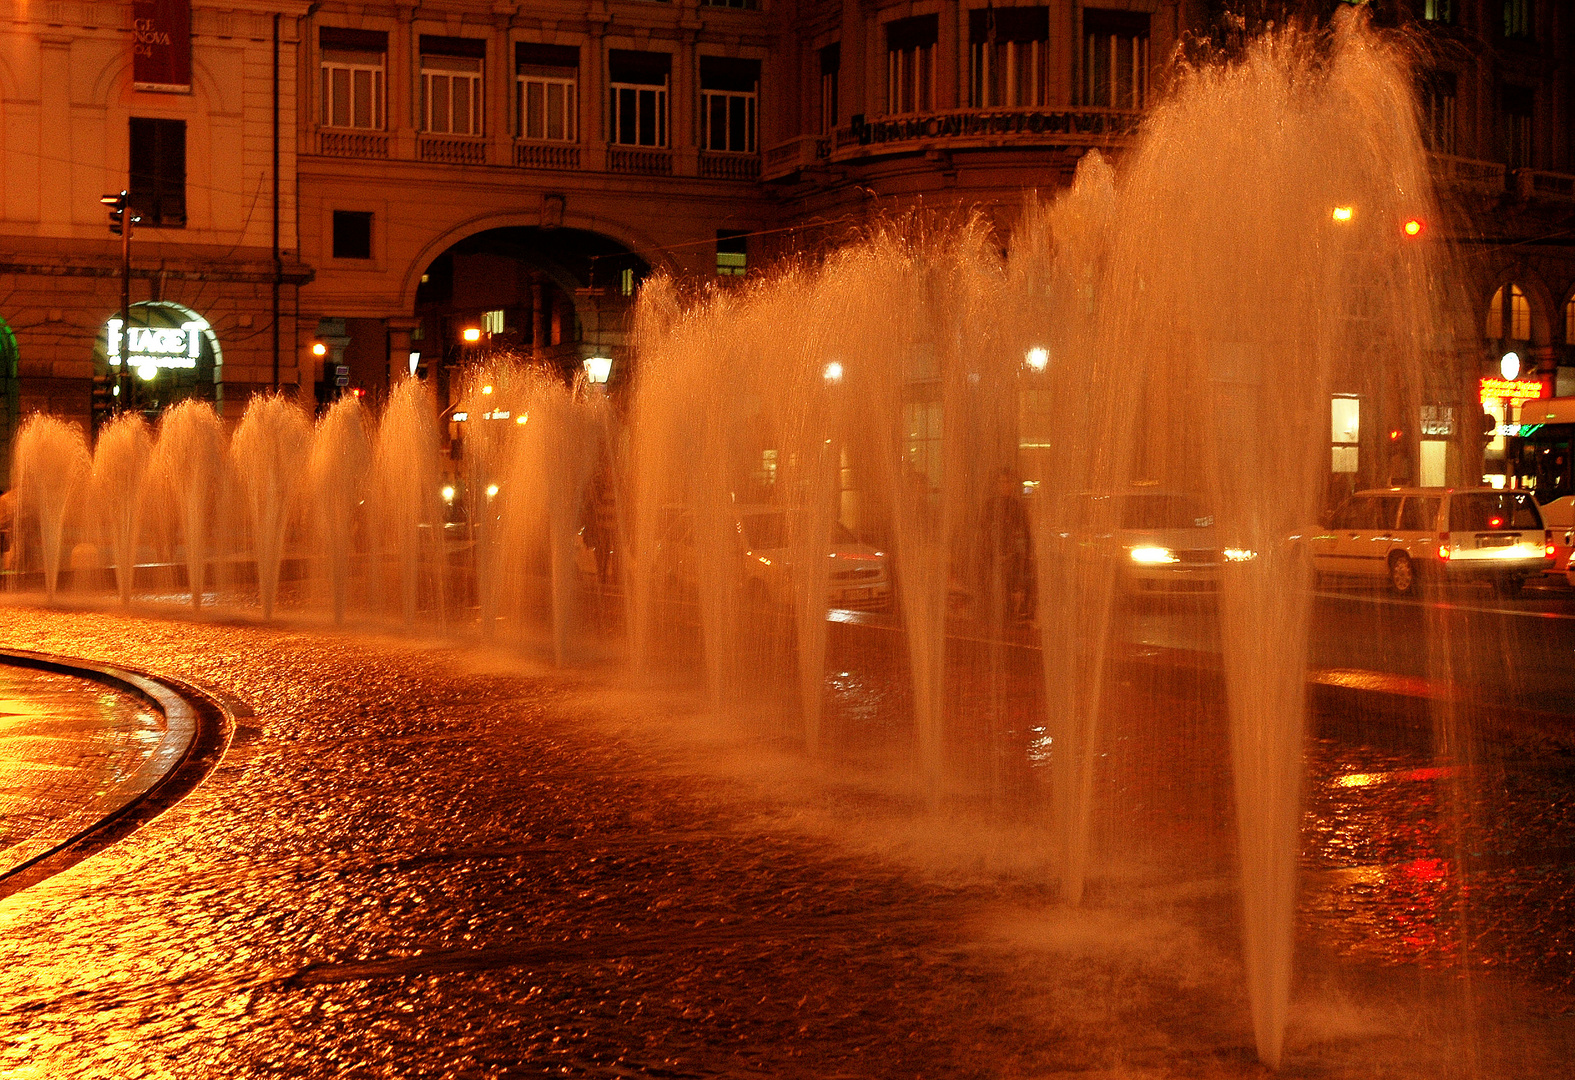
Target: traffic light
[(104, 399), (117, 210), (1413, 227)]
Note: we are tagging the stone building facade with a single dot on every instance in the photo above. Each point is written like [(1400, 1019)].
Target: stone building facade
[(200, 165)]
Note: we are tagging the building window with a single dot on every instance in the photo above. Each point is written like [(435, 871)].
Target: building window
[(626, 282), (1517, 19), (158, 172), (1509, 309), (1115, 59), (1518, 113), (1437, 95), (451, 94), (638, 88), (1345, 415), (492, 321), (546, 92), (1007, 56), (830, 72), (727, 104), (1439, 11), (910, 64), (352, 77), (352, 234), (732, 253)]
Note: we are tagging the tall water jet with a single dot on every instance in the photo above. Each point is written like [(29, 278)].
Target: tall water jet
[(1217, 282), (406, 483), (120, 464), (339, 467), (187, 465), (495, 400), (51, 463), (270, 450), (1058, 264)]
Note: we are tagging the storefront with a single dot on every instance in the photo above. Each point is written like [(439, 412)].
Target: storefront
[(165, 354)]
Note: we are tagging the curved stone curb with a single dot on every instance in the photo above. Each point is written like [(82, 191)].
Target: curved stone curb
[(197, 731)]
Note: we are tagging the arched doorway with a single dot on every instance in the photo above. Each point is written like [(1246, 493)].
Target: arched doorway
[(173, 355), (554, 295), (9, 398)]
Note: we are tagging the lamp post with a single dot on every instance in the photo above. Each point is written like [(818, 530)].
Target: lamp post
[(120, 221)]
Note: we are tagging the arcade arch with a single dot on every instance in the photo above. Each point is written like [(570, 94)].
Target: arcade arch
[(173, 353)]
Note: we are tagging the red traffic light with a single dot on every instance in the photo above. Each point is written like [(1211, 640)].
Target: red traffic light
[(1394, 435), (1413, 227)]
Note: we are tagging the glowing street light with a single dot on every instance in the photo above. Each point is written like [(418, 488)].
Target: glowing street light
[(1038, 358), (598, 369), (1413, 227), (319, 349), (1509, 366), (1343, 214), (471, 334), (833, 372)]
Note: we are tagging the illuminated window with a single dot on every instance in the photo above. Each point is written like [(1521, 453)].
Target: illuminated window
[(732, 253), (352, 77), (1509, 309), (728, 90), (830, 73), (1115, 59), (1007, 56), (492, 321), (1345, 415), (921, 450), (1517, 18), (626, 282), (451, 84), (546, 92), (1439, 11), (910, 64)]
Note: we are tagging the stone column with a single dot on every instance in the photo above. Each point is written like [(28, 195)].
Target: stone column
[(404, 74), (499, 75), (951, 56), (593, 94)]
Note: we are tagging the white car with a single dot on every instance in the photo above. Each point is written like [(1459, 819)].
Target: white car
[(1167, 538), (859, 576), (1400, 535)]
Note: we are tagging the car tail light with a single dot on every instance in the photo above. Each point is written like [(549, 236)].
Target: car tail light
[(1443, 546), (1547, 542)]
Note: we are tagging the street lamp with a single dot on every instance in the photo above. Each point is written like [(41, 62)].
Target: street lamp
[(1509, 366), (120, 221), (1038, 358), (598, 369), (471, 334), (833, 373)]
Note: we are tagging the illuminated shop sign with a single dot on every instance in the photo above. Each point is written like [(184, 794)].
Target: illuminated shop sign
[(1517, 391), (156, 346)]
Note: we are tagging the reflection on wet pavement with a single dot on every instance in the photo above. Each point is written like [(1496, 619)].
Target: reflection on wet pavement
[(413, 863), (68, 747)]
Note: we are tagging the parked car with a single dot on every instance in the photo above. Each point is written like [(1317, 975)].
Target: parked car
[(1558, 517), (859, 576), (1167, 537), (1400, 535)]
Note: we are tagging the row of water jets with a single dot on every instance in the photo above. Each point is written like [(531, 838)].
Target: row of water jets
[(1189, 319), (358, 507)]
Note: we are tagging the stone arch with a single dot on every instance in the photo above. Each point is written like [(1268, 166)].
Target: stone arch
[(203, 378), (114, 78), (1539, 299), (636, 241)]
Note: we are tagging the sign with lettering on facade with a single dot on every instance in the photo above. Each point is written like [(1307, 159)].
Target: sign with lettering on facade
[(161, 45), (155, 346), (1516, 391)]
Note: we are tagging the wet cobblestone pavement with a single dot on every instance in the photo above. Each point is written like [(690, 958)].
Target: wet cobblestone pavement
[(70, 751), (422, 862)]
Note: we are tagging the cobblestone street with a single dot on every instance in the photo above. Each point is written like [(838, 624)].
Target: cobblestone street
[(417, 861)]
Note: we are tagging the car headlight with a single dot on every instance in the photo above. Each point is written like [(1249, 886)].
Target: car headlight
[(1150, 556), (1239, 555)]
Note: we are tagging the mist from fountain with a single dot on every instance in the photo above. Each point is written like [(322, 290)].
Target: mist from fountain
[(189, 467), (120, 465), (338, 469), (270, 451), (1191, 315), (51, 467)]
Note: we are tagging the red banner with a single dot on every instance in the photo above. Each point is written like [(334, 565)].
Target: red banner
[(161, 45)]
